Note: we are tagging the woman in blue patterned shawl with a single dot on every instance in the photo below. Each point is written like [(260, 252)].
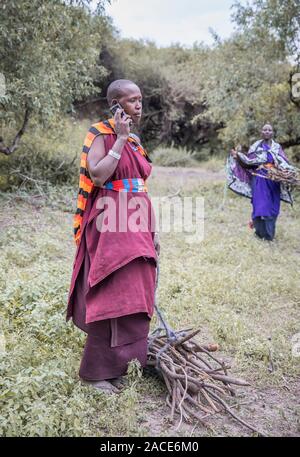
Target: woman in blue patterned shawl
[(265, 194)]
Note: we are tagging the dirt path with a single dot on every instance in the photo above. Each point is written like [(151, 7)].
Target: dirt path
[(270, 409), (202, 174)]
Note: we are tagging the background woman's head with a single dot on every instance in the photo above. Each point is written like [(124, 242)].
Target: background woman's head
[(267, 132), (128, 95)]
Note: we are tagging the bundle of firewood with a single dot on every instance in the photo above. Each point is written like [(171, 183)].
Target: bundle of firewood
[(288, 176), (197, 382)]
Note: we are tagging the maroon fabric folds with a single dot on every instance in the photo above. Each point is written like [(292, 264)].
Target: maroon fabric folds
[(107, 350)]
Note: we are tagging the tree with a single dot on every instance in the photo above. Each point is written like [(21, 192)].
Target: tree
[(48, 60), (280, 18), (166, 76), (246, 78)]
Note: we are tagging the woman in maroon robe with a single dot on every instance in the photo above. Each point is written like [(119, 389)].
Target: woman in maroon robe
[(111, 296)]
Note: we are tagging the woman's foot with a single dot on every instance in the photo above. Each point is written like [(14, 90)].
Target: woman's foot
[(105, 386)]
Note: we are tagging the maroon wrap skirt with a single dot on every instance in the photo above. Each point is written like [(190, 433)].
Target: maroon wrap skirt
[(112, 343)]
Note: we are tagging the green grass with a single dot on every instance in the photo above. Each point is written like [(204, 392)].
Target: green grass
[(242, 293)]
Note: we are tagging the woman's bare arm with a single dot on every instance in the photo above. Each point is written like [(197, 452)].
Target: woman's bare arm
[(102, 166)]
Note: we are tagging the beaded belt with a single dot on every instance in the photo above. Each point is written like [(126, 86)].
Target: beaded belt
[(127, 185)]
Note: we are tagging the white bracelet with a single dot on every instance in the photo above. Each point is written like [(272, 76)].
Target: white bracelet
[(114, 154)]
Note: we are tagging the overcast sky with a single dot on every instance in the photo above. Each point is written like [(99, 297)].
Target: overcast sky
[(171, 21)]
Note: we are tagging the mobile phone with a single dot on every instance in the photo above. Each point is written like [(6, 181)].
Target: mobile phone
[(115, 107)]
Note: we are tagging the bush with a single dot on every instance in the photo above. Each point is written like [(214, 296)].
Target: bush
[(45, 157), (172, 157)]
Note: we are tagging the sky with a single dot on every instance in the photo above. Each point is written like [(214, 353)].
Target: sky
[(171, 21)]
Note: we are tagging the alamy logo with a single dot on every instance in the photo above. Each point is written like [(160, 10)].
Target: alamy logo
[(139, 214), (2, 342), (296, 345), (2, 85), (295, 86)]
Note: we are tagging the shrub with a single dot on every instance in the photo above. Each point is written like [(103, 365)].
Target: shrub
[(172, 157)]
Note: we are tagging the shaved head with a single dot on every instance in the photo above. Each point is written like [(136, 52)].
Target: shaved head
[(268, 125), (117, 89), (267, 132)]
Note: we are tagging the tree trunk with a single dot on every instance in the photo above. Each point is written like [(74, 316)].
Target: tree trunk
[(10, 149)]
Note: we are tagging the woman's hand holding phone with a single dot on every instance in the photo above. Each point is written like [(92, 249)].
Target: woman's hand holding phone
[(122, 124)]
